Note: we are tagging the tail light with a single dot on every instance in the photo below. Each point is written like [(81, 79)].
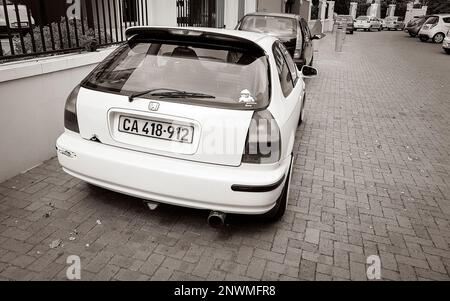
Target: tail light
[(263, 145), (70, 111)]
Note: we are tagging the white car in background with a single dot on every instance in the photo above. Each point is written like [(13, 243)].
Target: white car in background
[(435, 28), (446, 43), (201, 118), (367, 23)]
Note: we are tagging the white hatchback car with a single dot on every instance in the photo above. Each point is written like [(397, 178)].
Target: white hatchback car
[(367, 23), (435, 28), (201, 118)]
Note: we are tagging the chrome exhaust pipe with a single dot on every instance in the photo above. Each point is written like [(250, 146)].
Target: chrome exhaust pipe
[(216, 219)]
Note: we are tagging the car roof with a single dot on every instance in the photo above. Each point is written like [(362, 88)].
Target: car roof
[(439, 15), (259, 39), (281, 15)]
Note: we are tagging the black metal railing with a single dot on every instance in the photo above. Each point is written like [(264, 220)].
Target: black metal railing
[(197, 13), (36, 27)]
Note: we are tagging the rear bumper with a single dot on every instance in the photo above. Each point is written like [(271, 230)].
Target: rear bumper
[(362, 26), (425, 34), (348, 28), (446, 43), (173, 181)]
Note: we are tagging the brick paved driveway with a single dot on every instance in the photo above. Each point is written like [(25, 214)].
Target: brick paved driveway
[(372, 176)]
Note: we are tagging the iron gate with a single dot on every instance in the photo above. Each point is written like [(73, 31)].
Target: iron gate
[(197, 13), (41, 27)]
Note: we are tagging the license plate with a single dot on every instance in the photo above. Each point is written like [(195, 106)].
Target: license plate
[(156, 129)]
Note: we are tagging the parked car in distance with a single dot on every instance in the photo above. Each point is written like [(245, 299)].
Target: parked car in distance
[(152, 120), (291, 29), (394, 23), (383, 24), (446, 43), (14, 25), (413, 27), (435, 28), (345, 21), (367, 23)]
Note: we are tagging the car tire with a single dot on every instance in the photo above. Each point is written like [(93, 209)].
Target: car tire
[(447, 51), (351, 32), (438, 38), (412, 35), (423, 38), (379, 28), (277, 212)]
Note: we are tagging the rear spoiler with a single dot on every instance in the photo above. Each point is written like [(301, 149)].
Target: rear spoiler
[(193, 37)]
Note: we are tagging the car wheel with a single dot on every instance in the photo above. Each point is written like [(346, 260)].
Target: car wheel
[(423, 38), (351, 32), (411, 35), (379, 28), (447, 51), (277, 212), (438, 38)]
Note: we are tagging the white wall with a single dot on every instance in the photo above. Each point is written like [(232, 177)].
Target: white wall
[(272, 6), (231, 13), (162, 12), (32, 98), (250, 6)]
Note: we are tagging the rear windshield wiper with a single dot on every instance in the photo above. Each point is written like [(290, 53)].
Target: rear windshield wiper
[(162, 92)]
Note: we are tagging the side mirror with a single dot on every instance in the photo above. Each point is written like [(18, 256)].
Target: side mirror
[(318, 36), (309, 72)]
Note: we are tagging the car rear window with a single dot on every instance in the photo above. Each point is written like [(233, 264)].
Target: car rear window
[(279, 26), (344, 18), (227, 74), (363, 18)]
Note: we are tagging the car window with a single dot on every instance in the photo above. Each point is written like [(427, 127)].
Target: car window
[(284, 74), (290, 63), (226, 73), (344, 18), (362, 18), (306, 31), (270, 24), (432, 20), (446, 20), (301, 34)]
